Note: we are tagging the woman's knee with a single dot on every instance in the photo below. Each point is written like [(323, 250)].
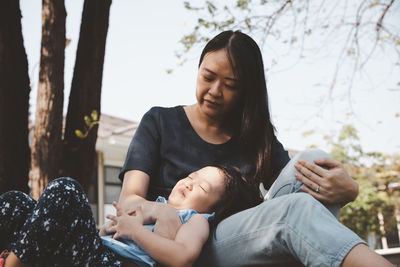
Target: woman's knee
[(14, 194), (63, 189), (16, 199), (64, 184), (312, 154), (286, 182), (63, 181)]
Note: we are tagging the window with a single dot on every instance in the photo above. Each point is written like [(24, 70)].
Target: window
[(112, 184)]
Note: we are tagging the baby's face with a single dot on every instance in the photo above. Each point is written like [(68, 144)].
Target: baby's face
[(200, 191)]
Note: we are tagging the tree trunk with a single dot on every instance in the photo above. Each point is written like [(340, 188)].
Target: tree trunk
[(47, 142), (14, 100), (79, 154)]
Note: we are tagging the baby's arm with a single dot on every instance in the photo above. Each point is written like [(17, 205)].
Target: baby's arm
[(152, 212), (133, 193), (163, 226), (182, 251)]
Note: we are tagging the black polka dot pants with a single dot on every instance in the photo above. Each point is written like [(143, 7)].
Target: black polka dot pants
[(57, 230)]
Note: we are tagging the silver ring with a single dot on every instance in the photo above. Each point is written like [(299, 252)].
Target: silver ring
[(317, 190)]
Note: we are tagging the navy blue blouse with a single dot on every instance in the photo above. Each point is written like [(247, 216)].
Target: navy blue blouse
[(167, 148)]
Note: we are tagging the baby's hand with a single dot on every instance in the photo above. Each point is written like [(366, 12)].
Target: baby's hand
[(126, 223), (105, 229)]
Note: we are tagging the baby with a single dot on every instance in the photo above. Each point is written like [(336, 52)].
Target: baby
[(211, 193)]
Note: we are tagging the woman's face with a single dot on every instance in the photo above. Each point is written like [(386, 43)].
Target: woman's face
[(200, 191), (217, 89)]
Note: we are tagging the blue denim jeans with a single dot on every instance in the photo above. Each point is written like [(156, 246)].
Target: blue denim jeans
[(289, 226)]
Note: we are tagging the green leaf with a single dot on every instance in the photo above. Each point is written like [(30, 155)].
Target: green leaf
[(374, 4), (211, 8), (79, 134), (187, 5), (248, 23), (94, 115), (88, 121), (243, 4)]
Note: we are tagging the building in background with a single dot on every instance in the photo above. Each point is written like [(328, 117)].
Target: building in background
[(113, 139)]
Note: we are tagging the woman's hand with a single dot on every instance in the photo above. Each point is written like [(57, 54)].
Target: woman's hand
[(125, 223), (329, 184)]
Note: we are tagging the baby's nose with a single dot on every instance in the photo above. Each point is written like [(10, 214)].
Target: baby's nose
[(189, 187)]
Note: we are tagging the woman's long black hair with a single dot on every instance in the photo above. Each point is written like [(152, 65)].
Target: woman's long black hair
[(251, 119)]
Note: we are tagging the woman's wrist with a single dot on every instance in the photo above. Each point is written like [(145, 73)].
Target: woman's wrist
[(354, 191), (152, 210), (351, 193), (156, 210)]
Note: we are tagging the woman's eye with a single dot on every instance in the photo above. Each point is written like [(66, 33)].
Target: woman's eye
[(230, 87), (203, 189), (208, 79)]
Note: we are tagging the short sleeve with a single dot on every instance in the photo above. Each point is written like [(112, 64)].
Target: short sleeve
[(144, 149)]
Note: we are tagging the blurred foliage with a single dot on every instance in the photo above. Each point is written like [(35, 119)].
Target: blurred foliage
[(378, 176), (300, 18), (90, 122), (359, 28)]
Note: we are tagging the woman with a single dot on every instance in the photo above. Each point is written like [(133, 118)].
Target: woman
[(230, 124)]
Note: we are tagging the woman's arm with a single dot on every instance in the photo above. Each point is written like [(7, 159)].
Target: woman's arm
[(133, 193), (134, 189), (333, 182), (182, 251)]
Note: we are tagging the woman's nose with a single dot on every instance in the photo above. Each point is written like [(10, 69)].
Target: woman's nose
[(215, 89)]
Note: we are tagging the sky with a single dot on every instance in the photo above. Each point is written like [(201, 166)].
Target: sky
[(142, 39)]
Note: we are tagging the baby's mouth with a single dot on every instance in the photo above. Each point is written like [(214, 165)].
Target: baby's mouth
[(181, 191)]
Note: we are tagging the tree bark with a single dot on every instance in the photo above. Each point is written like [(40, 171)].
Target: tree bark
[(79, 154), (47, 140), (14, 100)]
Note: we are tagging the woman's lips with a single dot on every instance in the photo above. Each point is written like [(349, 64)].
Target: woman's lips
[(211, 103)]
